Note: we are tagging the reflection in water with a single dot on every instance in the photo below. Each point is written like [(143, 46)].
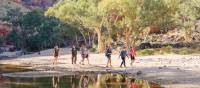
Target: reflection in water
[(73, 81), (55, 81), (84, 81), (80, 81), (132, 83), (108, 83)]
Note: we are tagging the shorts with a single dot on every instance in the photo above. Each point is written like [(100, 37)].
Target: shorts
[(108, 56), (74, 55), (56, 55), (132, 57), (85, 55)]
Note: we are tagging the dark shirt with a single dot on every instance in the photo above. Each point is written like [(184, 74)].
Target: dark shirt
[(56, 51), (123, 53), (108, 51), (74, 51)]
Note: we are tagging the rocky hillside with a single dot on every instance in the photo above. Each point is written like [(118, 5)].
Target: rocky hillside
[(6, 4), (24, 5), (44, 4)]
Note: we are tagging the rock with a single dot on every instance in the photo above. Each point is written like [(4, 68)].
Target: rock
[(156, 46), (145, 45), (139, 73)]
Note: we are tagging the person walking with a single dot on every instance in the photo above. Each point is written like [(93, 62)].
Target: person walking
[(84, 54), (108, 53), (56, 54), (74, 54), (123, 55), (132, 54)]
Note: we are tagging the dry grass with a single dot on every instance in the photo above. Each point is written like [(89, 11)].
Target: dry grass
[(168, 50), (12, 68)]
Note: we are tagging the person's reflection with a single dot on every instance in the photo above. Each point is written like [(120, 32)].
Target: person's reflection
[(132, 84), (108, 82), (2, 80), (84, 81), (55, 81), (123, 81), (73, 81)]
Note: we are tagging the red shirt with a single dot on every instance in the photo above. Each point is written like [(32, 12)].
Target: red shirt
[(132, 52), (132, 85)]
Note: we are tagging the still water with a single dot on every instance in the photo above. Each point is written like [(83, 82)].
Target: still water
[(80, 80), (77, 81)]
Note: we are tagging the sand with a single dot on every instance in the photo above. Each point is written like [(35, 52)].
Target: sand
[(171, 71)]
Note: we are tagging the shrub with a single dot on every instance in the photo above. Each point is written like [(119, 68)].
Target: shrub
[(145, 52)]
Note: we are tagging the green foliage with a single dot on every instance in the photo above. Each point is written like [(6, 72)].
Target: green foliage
[(13, 16), (167, 50), (136, 15), (160, 13), (169, 47), (145, 52), (33, 31), (80, 13), (15, 37)]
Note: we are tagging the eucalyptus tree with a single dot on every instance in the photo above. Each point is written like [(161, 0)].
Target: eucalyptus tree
[(126, 14), (188, 13), (81, 13), (159, 13), (171, 14)]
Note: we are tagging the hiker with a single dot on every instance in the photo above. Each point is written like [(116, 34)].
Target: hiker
[(132, 84), (56, 54), (108, 53), (74, 54), (84, 54), (132, 54), (123, 55)]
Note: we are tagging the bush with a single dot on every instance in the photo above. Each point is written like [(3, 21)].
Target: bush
[(145, 52), (169, 47)]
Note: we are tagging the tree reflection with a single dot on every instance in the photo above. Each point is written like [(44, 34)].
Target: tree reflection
[(121, 81), (81, 81)]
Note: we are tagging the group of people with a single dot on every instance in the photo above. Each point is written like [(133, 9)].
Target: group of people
[(124, 52), (84, 54)]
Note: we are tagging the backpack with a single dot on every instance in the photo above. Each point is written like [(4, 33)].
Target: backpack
[(108, 51), (132, 52), (74, 51)]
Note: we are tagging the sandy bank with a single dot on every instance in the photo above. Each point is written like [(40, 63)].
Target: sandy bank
[(171, 71)]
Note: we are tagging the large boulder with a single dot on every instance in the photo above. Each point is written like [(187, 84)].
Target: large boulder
[(144, 45)]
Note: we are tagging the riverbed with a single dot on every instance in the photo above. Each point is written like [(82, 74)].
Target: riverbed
[(169, 71)]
